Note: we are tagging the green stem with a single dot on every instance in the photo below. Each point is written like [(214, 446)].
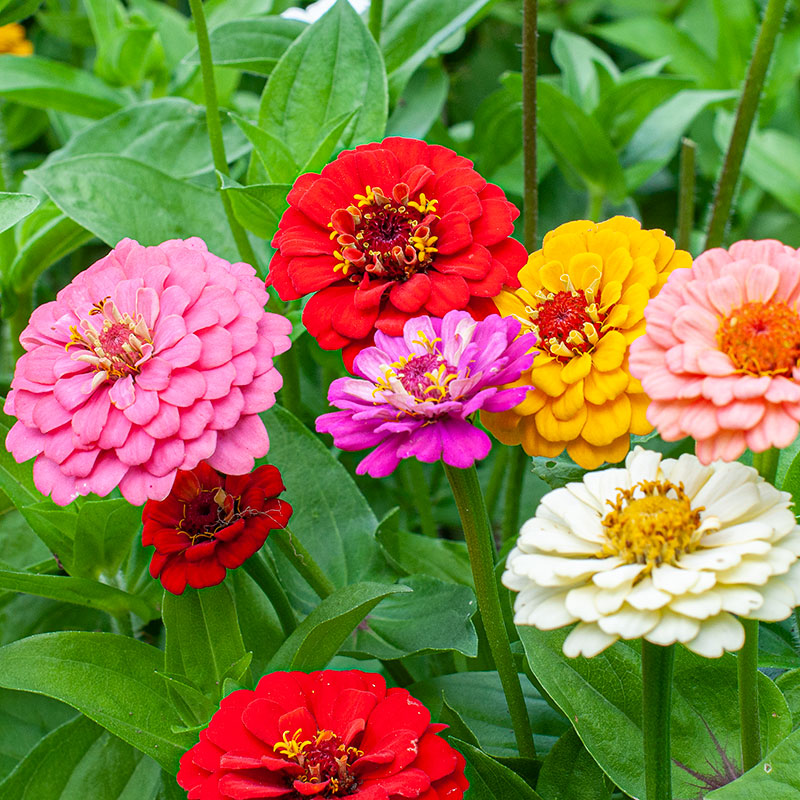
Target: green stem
[(516, 477), (303, 562), (530, 34), (657, 664), (246, 252), (594, 207), (474, 520), (745, 114), (5, 165), (686, 193), (496, 479), (422, 496), (747, 668), (260, 571), (376, 19), (766, 463)]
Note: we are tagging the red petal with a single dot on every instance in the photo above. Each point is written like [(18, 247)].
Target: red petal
[(312, 273), (391, 320), (447, 292), (369, 293), (472, 264), (464, 200), (496, 223), (378, 168), (412, 294), (435, 756), (344, 174), (461, 178), (320, 200), (203, 574), (513, 255), (241, 786), (157, 564), (352, 350), (308, 789), (491, 284), (228, 533), (322, 307), (441, 159), (397, 711), (408, 783), (173, 576), (284, 689), (298, 721), (409, 152), (352, 705), (306, 240), (168, 541), (416, 177), (481, 307), (279, 278), (203, 550), (260, 718), (454, 233), (492, 191), (186, 486)]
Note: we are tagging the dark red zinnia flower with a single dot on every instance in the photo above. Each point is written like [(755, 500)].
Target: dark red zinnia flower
[(388, 231), (324, 734), (211, 522)]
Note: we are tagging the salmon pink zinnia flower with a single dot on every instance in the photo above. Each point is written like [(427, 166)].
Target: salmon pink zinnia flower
[(151, 360), (325, 734), (720, 358), (389, 231)]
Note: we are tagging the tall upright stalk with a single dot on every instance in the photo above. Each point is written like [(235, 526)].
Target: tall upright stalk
[(686, 193), (376, 19), (657, 664)]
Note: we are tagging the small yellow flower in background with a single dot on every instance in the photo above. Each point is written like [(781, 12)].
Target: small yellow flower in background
[(13, 41), (584, 294), (667, 550)]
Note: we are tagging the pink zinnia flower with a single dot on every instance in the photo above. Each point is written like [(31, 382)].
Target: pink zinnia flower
[(417, 390), (720, 356), (151, 360)]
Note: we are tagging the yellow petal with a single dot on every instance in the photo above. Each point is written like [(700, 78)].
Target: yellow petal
[(602, 386), (617, 265), (534, 444), (566, 406), (550, 276), (610, 294), (576, 369), (590, 457), (563, 247), (547, 377), (633, 333), (607, 422), (580, 263), (610, 351), (666, 249), (557, 430), (617, 316), (503, 425), (626, 225), (639, 424), (508, 304), (531, 404), (578, 227), (643, 273), (605, 242), (645, 243)]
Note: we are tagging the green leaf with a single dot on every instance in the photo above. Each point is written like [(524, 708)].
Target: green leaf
[(112, 679), (570, 771), (14, 207), (489, 779), (17, 10), (603, 694), (317, 639), (421, 103), (79, 591), (169, 134), (331, 69), (326, 144), (789, 684), (253, 45), (736, 29), (567, 129), (80, 759), (557, 471), (41, 83), (258, 207), (203, 636), (478, 698), (437, 616), (278, 162), (16, 480), (148, 205), (104, 534), (55, 526), (498, 125), (578, 60)]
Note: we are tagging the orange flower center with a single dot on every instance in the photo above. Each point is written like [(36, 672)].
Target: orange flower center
[(323, 758), (567, 322), (761, 338), (387, 236)]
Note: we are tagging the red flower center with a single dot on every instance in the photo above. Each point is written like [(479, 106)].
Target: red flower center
[(761, 338), (567, 323), (207, 512), (324, 760), (386, 236)]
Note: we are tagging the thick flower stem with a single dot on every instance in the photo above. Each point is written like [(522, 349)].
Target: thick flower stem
[(246, 252), (475, 521), (656, 700), (376, 19), (745, 114), (422, 496), (303, 562), (516, 478), (260, 571), (747, 664), (530, 35), (686, 193), (496, 479)]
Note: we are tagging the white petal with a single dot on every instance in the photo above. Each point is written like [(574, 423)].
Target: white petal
[(779, 598), (586, 639), (645, 597), (705, 582), (618, 576), (699, 606), (581, 603), (690, 472), (579, 489), (554, 571), (791, 541), (740, 600), (733, 534), (584, 521), (673, 628), (606, 483), (555, 502), (723, 632), (546, 536), (673, 579), (753, 571), (780, 560), (731, 505), (724, 480), (548, 615), (630, 623), (717, 558), (643, 465)]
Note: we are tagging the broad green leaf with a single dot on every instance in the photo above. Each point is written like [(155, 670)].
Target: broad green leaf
[(253, 45), (278, 162), (169, 134), (23, 125), (326, 143), (317, 639), (112, 679), (603, 694), (75, 28), (78, 591), (477, 697), (498, 125), (578, 60), (489, 779), (17, 10), (14, 207), (221, 11), (104, 534), (24, 720), (421, 103), (567, 129), (736, 29), (437, 616), (148, 206), (258, 207), (569, 771), (79, 760), (38, 82), (55, 526), (557, 471), (20, 548), (331, 69), (789, 684), (203, 637)]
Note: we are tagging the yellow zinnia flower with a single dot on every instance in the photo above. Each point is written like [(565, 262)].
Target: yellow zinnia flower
[(12, 40), (584, 294)]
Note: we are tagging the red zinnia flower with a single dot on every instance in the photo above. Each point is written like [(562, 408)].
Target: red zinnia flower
[(211, 522), (324, 734), (389, 231)]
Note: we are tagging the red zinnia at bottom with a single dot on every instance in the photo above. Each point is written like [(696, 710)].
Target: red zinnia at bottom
[(210, 523), (325, 734)]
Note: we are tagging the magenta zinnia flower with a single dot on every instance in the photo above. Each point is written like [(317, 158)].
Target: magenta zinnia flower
[(419, 389), (721, 355), (151, 360)]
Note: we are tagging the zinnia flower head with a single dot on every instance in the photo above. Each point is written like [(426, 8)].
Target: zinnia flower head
[(13, 41), (721, 356), (151, 360), (324, 734), (388, 231), (666, 550), (584, 294), (210, 523), (416, 391)]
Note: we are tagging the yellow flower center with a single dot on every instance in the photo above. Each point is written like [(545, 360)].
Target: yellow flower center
[(652, 523), (761, 338)]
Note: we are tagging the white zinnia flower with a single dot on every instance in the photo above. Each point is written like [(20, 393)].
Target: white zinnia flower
[(314, 11), (666, 550)]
